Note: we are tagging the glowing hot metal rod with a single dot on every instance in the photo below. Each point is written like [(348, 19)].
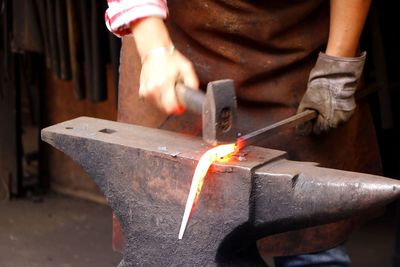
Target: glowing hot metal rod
[(220, 154)]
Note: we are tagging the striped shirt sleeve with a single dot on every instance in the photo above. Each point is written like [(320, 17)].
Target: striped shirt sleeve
[(122, 13)]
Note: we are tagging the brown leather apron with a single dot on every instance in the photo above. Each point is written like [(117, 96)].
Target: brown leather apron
[(268, 48)]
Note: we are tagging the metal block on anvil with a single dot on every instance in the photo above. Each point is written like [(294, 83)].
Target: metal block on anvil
[(146, 173)]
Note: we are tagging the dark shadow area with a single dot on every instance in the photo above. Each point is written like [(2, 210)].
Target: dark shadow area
[(239, 248)]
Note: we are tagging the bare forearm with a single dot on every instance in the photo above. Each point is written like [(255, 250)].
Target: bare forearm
[(161, 69), (346, 24), (150, 33)]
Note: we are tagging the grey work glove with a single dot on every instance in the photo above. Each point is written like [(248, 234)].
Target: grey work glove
[(330, 91)]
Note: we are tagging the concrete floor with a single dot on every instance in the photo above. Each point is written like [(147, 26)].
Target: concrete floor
[(58, 231), (68, 232)]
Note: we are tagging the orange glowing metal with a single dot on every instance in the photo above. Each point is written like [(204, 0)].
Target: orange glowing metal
[(220, 154)]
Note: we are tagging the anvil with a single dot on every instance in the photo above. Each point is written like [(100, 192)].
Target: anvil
[(145, 175)]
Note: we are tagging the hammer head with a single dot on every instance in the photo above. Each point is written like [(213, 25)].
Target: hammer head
[(220, 113)]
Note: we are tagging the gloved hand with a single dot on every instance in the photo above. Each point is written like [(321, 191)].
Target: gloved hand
[(330, 90)]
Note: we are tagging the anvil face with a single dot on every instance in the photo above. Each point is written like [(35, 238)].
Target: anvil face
[(146, 174)]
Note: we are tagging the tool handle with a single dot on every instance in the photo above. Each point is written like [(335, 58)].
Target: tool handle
[(191, 99)]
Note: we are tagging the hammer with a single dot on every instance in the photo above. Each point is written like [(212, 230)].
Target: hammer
[(218, 109)]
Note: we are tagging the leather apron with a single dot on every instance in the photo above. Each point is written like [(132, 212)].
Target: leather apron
[(268, 48)]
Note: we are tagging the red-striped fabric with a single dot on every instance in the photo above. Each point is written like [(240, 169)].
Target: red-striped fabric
[(122, 13)]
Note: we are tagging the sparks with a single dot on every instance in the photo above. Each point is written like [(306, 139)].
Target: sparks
[(220, 154)]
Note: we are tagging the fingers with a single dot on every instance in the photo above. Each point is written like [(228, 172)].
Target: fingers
[(168, 101), (304, 129), (189, 76), (324, 124), (159, 76), (162, 94), (307, 127), (320, 125)]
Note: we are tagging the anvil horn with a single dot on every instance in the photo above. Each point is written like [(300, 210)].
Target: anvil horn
[(145, 175), (304, 194)]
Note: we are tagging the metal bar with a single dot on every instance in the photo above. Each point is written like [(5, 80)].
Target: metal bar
[(275, 128), (74, 46), (98, 52), (54, 48), (84, 15), (290, 122), (62, 39)]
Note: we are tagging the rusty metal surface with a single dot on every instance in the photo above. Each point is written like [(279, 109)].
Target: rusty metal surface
[(146, 173), (146, 181), (306, 195)]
